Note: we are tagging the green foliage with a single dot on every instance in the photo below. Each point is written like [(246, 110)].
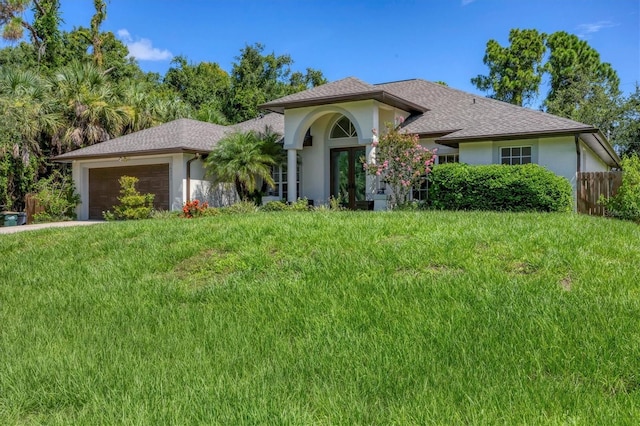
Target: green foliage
[(257, 78), (515, 71), (529, 187), (46, 25), (627, 133), (57, 195), (302, 204), (203, 86), (242, 159), (626, 203), (133, 205), (241, 207)]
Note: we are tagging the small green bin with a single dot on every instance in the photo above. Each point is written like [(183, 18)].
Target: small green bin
[(9, 218)]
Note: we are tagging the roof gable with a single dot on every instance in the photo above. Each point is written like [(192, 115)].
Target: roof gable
[(345, 90)]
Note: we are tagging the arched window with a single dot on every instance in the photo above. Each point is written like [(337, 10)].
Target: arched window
[(343, 128)]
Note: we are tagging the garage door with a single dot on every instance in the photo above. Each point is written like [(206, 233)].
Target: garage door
[(104, 188)]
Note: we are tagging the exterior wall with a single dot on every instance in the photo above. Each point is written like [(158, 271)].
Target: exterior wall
[(315, 160), (476, 153), (590, 162), (177, 176)]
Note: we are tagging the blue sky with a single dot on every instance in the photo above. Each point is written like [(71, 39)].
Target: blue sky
[(376, 40)]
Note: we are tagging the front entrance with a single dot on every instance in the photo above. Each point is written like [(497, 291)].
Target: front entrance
[(348, 178)]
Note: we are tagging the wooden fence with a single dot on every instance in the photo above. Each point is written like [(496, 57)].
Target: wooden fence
[(593, 184), (31, 207)]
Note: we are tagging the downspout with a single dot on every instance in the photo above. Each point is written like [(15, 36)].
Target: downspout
[(196, 157), (577, 140)]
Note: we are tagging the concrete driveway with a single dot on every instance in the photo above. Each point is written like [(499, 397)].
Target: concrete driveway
[(14, 229)]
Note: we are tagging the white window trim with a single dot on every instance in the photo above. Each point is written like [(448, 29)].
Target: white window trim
[(511, 157)]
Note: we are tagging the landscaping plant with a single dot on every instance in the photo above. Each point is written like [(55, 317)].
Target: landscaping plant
[(529, 187), (133, 205), (56, 194), (401, 161), (625, 204)]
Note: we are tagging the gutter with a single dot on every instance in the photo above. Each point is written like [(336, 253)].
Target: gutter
[(196, 157)]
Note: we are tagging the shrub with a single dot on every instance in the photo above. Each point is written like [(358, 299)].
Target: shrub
[(274, 206), (401, 161), (529, 187), (626, 203), (194, 209), (56, 194), (240, 207), (133, 205)]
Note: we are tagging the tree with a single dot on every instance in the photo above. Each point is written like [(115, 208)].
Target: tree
[(204, 86), (44, 31), (515, 71), (239, 158), (572, 60), (400, 161), (49, 41), (90, 106), (627, 133), (257, 78)]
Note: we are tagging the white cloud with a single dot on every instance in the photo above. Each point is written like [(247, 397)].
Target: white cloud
[(124, 35), (466, 2), (586, 29), (142, 49)]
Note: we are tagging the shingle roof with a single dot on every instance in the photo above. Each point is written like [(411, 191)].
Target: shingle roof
[(347, 89), (465, 116), (182, 135), (272, 120)]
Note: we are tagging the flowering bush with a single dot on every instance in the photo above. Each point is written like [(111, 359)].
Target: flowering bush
[(401, 161), (194, 209)]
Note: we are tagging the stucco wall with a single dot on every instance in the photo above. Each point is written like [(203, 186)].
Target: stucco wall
[(476, 153)]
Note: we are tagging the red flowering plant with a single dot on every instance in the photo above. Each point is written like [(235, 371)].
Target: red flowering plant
[(400, 161), (194, 209)]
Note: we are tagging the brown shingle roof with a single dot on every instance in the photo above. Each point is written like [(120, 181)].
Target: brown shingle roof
[(345, 90), (182, 135), (464, 116)]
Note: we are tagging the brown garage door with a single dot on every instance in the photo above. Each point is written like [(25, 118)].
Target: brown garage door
[(104, 188)]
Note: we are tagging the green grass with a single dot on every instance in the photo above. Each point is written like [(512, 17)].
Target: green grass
[(323, 318)]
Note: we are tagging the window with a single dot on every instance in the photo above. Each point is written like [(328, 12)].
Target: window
[(343, 128), (280, 187), (515, 155), (420, 192), (448, 158)]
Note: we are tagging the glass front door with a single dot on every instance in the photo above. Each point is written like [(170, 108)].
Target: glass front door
[(348, 178)]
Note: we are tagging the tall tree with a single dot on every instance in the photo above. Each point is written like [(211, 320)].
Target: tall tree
[(44, 32), (257, 78), (46, 24), (627, 133), (96, 35), (572, 60), (204, 86), (90, 106), (515, 71)]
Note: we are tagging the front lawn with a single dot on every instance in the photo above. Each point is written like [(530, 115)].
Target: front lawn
[(330, 318)]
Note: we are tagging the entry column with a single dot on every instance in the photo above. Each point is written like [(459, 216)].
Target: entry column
[(292, 175)]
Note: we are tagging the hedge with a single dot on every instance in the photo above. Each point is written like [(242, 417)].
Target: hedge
[(530, 187)]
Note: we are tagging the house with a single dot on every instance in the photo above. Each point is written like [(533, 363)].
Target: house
[(328, 130), (167, 160)]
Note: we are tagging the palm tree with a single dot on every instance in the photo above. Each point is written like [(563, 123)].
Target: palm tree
[(27, 109), (89, 104), (239, 158)]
